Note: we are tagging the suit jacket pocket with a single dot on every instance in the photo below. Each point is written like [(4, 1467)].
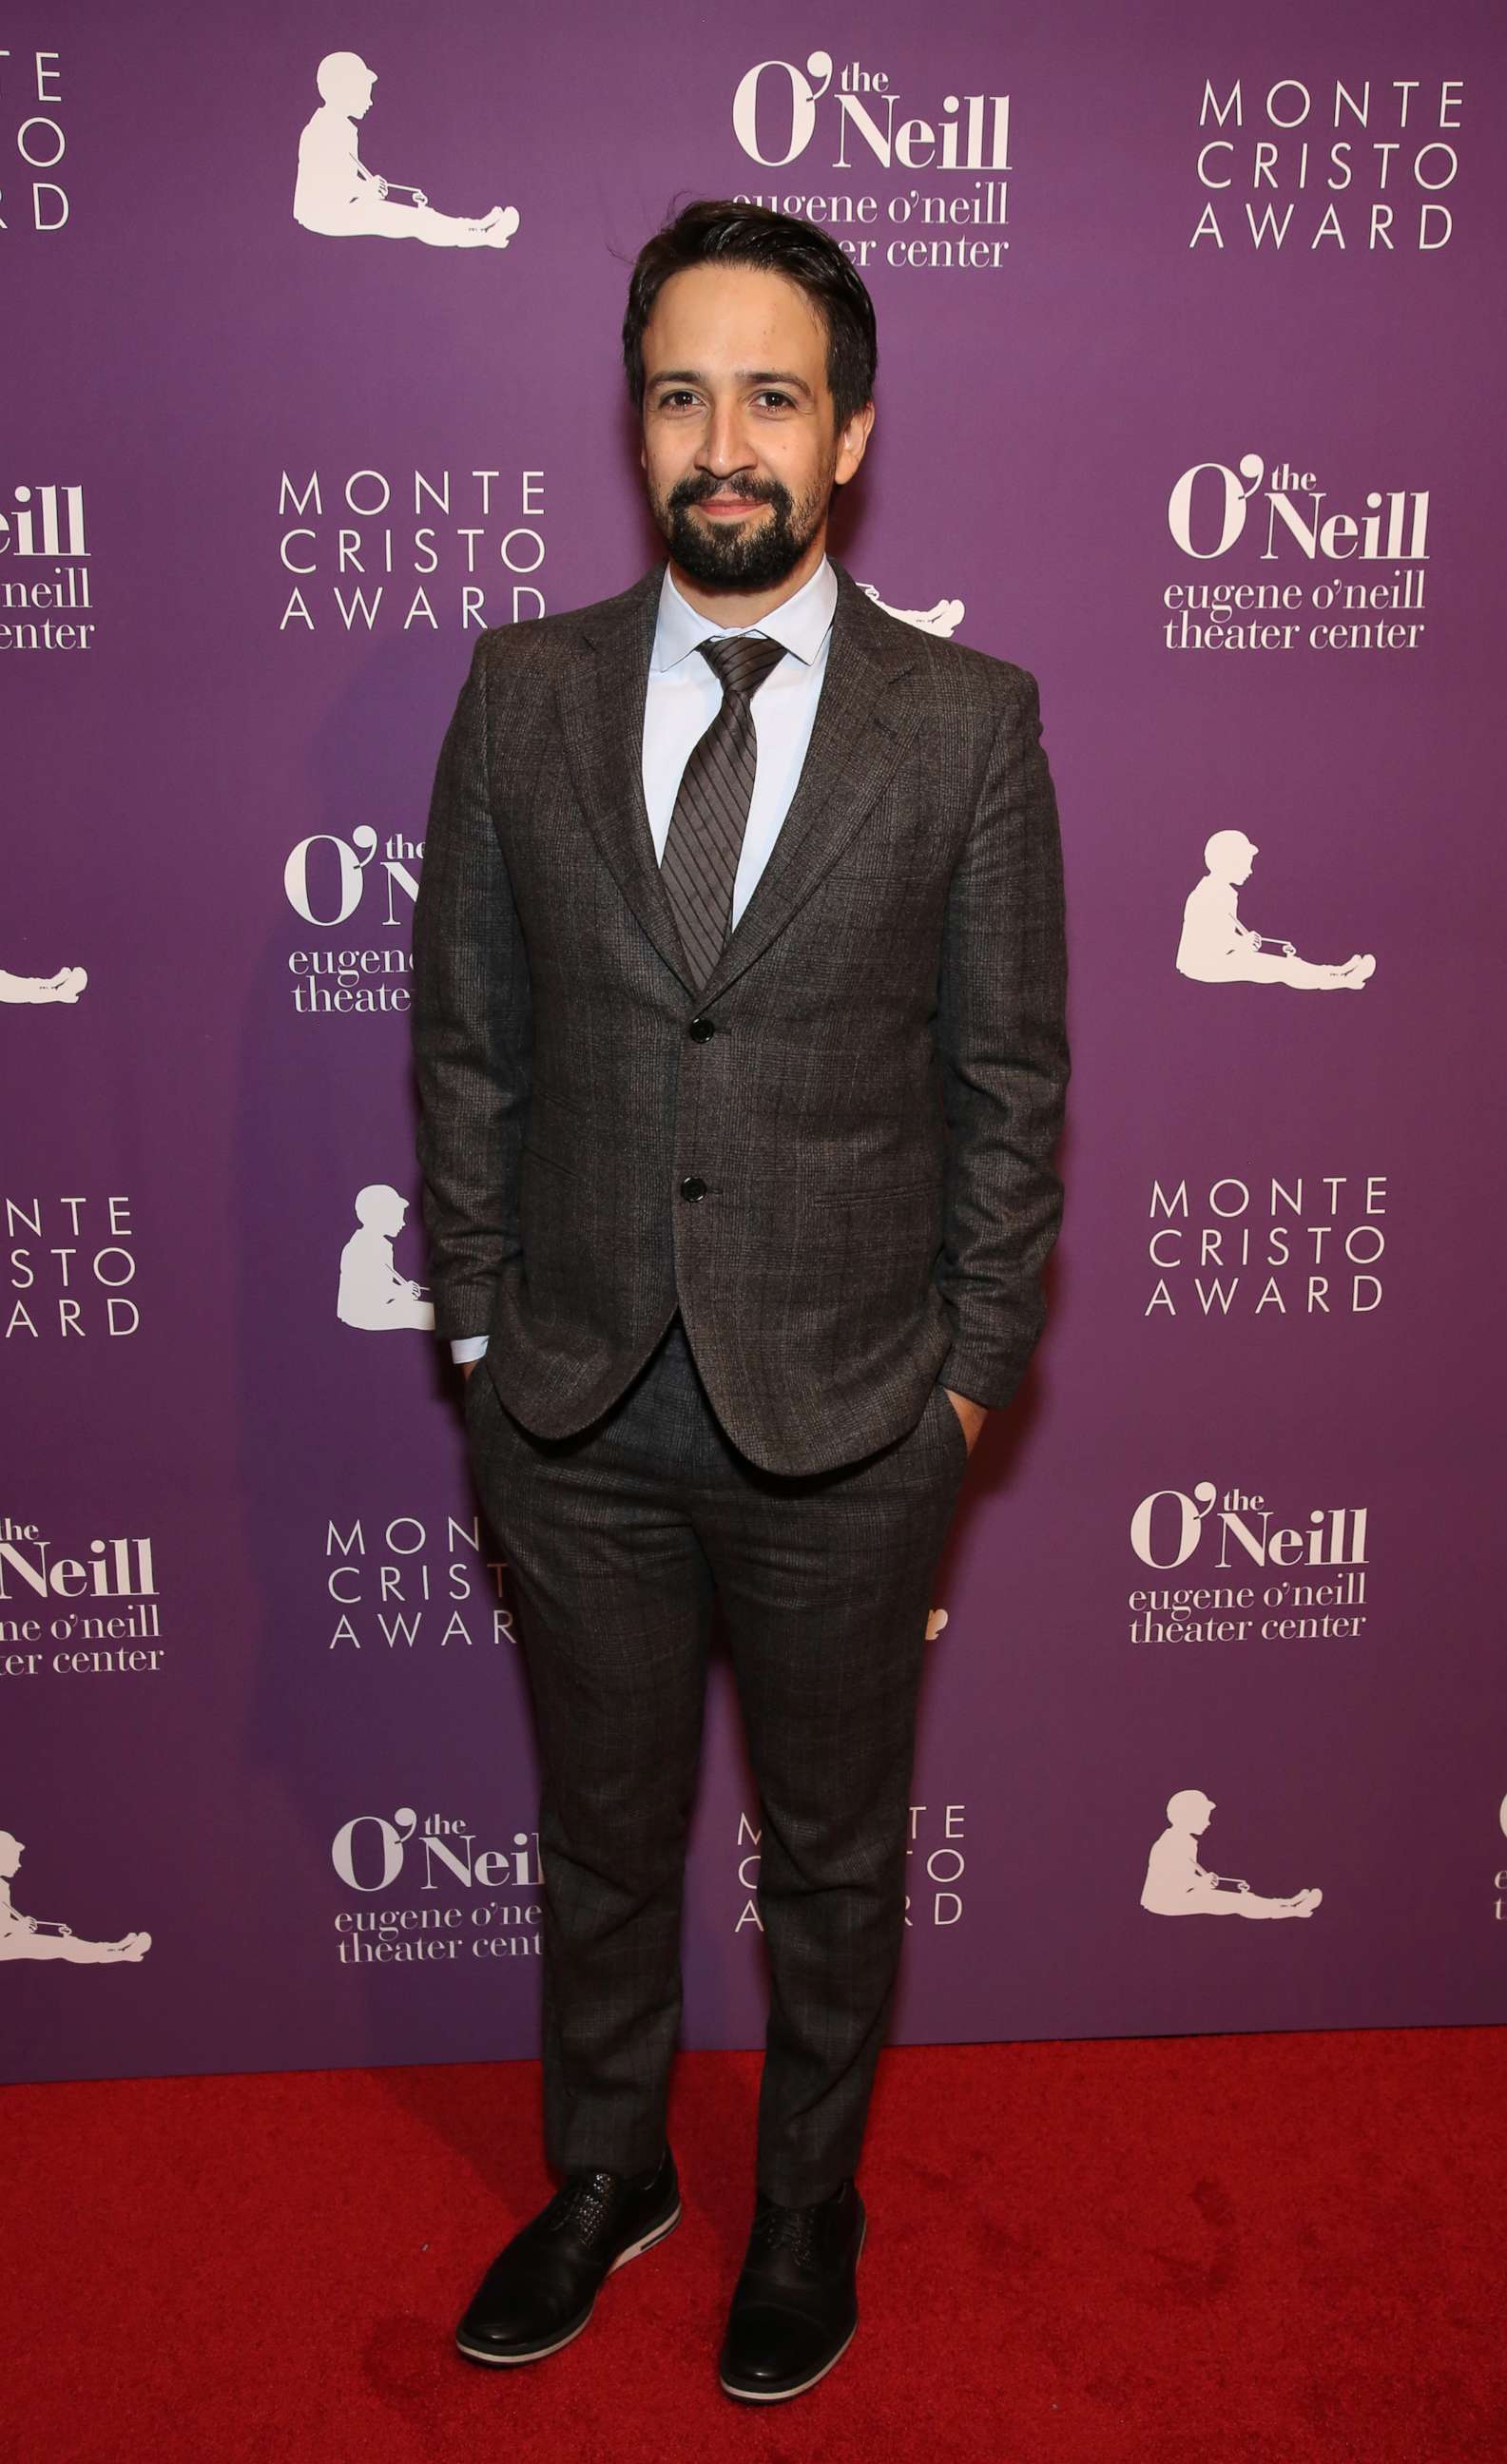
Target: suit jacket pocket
[(954, 1431)]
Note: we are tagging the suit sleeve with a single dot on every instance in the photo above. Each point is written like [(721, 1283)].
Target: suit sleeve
[(471, 1023), (1001, 1042)]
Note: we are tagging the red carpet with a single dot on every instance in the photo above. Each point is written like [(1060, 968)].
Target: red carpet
[(1218, 2249)]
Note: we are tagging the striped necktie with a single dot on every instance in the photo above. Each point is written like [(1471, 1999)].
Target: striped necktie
[(706, 837)]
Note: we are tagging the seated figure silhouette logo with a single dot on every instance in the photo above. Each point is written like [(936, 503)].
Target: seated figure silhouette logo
[(373, 1293), (943, 619), (65, 986), (337, 196), (1217, 949), (1177, 1885), (23, 1937)]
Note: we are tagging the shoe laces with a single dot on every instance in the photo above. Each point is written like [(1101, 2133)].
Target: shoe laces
[(792, 2229), (582, 2204)]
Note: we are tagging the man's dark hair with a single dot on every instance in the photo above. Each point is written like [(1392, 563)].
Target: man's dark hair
[(713, 230)]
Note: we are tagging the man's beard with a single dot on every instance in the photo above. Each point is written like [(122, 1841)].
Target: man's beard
[(750, 556)]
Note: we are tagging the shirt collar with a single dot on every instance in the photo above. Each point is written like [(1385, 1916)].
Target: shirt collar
[(800, 624)]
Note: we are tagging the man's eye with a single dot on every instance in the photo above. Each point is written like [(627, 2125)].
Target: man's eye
[(781, 401), (668, 399)]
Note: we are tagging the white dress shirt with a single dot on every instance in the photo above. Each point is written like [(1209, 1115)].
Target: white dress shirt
[(683, 699)]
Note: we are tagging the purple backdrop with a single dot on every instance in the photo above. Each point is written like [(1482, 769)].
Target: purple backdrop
[(1189, 384)]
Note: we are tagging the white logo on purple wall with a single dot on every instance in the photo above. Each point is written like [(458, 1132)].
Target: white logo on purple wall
[(373, 1293), (65, 986), (465, 1903), (936, 1844), (48, 592), (70, 1279), (1177, 1885), (1331, 568), (1216, 948), (867, 127), (337, 196), (1258, 1574), (1328, 132), (24, 1937), (369, 1852), (943, 619)]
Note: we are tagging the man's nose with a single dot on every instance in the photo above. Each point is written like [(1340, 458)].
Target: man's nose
[(726, 448)]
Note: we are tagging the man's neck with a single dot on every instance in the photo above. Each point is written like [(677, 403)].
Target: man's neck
[(738, 609)]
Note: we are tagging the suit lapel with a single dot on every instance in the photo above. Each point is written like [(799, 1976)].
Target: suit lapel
[(601, 705), (866, 719)]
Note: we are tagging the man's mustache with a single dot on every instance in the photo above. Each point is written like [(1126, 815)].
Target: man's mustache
[(695, 491)]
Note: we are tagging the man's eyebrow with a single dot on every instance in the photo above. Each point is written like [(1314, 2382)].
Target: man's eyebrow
[(747, 376)]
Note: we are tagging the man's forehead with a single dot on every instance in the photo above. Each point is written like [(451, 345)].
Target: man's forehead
[(743, 293)]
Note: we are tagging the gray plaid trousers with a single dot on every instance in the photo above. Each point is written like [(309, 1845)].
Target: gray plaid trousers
[(619, 1540)]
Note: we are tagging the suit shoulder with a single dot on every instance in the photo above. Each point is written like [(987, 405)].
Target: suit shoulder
[(955, 671), (979, 678), (535, 639)]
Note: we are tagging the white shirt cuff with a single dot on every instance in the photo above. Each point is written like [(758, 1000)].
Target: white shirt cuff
[(468, 1346)]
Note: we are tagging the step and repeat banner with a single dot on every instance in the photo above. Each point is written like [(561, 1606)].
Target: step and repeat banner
[(1188, 401)]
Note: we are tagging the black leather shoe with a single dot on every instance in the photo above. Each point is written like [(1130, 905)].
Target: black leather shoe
[(795, 2307), (542, 2289)]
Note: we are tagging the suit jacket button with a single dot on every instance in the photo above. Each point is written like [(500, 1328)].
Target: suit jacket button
[(700, 1028), (692, 1187)]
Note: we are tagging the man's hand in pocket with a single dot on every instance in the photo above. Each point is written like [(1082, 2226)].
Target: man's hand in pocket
[(972, 1414)]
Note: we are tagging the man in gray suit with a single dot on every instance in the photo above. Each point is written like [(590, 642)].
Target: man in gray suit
[(739, 1028)]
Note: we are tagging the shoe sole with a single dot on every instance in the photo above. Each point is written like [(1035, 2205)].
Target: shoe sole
[(783, 2395), (541, 2352)]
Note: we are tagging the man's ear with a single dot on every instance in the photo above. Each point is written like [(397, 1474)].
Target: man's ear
[(851, 444)]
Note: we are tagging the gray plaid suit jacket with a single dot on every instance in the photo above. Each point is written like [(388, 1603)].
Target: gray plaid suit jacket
[(836, 1159)]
